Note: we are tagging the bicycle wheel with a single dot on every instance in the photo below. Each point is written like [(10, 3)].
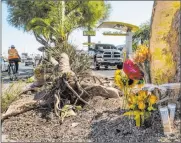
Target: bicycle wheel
[(10, 72), (14, 72), (14, 69)]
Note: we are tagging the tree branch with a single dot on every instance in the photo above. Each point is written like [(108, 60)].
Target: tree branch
[(41, 40)]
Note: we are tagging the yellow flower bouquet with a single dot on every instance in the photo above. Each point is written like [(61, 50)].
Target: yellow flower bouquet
[(140, 105), (130, 78), (141, 54), (141, 58), (126, 85)]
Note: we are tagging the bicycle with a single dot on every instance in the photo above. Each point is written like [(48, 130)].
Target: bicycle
[(12, 71)]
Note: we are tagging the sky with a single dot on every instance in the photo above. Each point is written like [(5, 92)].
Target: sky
[(133, 12)]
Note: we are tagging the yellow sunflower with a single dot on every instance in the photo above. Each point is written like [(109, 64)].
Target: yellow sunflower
[(140, 98), (143, 94), (117, 77), (152, 99), (133, 84), (141, 54), (132, 99), (141, 105), (131, 106)]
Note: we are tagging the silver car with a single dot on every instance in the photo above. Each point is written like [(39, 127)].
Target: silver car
[(4, 64)]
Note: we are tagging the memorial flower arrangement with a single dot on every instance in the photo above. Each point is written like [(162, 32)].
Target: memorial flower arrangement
[(140, 105), (128, 78)]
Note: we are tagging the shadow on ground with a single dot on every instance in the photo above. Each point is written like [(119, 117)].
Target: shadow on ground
[(122, 129)]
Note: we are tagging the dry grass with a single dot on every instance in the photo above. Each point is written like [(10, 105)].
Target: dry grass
[(11, 94)]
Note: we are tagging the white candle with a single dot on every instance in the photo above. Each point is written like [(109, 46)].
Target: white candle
[(165, 120), (172, 108)]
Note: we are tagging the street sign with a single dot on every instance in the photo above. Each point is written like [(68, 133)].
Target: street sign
[(89, 33)]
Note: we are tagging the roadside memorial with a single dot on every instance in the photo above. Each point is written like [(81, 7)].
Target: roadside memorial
[(73, 104), (141, 102)]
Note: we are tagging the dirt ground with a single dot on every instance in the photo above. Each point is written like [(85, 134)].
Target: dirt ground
[(103, 125)]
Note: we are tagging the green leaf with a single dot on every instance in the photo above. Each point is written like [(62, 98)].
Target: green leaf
[(147, 115), (66, 107), (78, 107), (70, 113), (129, 113), (67, 112), (151, 108), (30, 80)]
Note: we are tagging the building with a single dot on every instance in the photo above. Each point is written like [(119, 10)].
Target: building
[(24, 56)]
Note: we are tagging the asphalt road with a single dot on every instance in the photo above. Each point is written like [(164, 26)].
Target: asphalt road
[(24, 72), (27, 71), (105, 72)]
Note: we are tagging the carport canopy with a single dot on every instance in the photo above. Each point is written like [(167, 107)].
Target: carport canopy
[(124, 27)]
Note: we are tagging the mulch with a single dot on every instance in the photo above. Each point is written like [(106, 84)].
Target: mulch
[(103, 125)]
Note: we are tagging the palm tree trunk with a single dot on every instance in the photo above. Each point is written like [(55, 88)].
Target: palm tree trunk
[(148, 63)]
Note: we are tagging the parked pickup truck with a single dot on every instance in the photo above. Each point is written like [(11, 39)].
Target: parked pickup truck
[(106, 55)]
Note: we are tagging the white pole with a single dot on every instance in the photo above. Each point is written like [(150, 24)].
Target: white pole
[(129, 44)]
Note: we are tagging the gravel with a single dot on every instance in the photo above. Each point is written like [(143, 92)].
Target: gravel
[(103, 125)]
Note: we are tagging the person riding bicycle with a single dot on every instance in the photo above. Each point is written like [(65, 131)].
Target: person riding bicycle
[(13, 56)]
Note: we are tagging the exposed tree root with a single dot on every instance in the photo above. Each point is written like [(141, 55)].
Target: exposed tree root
[(75, 93), (66, 89), (20, 106)]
